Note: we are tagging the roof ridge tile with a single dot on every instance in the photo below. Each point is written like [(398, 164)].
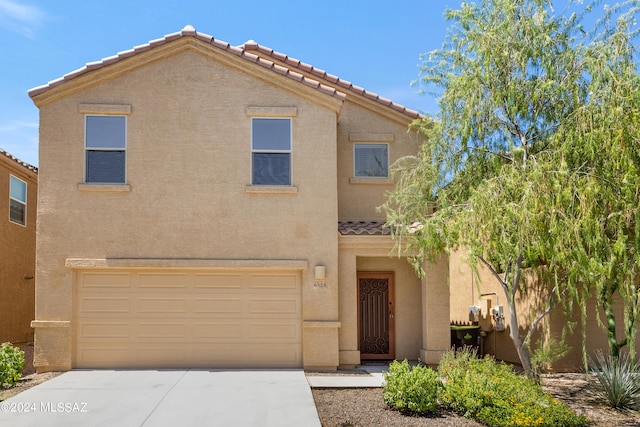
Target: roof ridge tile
[(329, 77), (18, 161), (243, 51)]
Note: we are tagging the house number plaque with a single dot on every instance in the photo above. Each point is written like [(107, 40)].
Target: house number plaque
[(319, 284)]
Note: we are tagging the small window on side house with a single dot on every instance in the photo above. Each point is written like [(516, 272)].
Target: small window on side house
[(17, 201), (271, 151), (371, 160), (105, 149)]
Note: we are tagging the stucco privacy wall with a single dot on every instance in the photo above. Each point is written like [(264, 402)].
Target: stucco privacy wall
[(466, 292), (188, 167), (17, 255)]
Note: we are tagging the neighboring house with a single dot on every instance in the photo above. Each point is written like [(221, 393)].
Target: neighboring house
[(205, 205), (18, 204)]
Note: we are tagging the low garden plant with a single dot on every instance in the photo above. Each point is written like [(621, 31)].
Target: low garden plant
[(411, 389), (620, 380), (478, 388), (494, 394), (11, 364)]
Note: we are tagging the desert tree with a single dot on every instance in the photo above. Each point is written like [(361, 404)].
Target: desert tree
[(497, 176)]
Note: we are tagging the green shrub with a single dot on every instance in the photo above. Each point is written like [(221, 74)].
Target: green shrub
[(11, 364), (494, 394), (620, 381), (411, 390)]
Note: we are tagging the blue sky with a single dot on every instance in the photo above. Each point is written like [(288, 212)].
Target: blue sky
[(372, 43)]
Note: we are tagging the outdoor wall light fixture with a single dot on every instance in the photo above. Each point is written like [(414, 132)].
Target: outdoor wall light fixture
[(321, 272)]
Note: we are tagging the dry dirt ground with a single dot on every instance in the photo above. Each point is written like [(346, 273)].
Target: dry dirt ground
[(363, 407)]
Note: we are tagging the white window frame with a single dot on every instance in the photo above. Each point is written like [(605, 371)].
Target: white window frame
[(267, 151), (24, 203), (355, 171), (87, 149)]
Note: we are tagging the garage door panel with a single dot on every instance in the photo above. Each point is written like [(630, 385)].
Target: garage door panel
[(162, 281), (248, 355), (106, 282), (105, 305), (275, 355), (218, 330), (162, 330), (162, 305), (273, 282), (101, 357), (188, 319), (160, 355), (219, 281), (101, 330), (218, 305), (278, 331), (274, 305)]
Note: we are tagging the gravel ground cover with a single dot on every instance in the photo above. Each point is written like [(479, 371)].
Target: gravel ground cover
[(364, 407)]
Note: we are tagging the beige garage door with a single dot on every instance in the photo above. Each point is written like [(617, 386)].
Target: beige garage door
[(133, 319)]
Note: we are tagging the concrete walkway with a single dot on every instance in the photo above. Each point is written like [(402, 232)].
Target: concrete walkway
[(365, 376), (130, 398)]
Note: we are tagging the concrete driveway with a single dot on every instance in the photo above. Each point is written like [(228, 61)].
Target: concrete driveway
[(128, 398)]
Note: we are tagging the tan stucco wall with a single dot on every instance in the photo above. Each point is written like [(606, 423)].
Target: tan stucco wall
[(17, 257), (436, 337), (463, 294), (422, 310), (359, 198), (188, 165), (465, 291), (371, 254)]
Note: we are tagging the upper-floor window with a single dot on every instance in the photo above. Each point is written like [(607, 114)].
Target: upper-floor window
[(271, 151), (105, 149), (17, 200), (371, 160)]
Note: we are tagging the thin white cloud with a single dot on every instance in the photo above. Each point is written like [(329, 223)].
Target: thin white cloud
[(20, 138), (14, 126), (21, 18)]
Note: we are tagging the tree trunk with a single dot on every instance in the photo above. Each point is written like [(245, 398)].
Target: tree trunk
[(510, 293), (614, 344), (514, 333)]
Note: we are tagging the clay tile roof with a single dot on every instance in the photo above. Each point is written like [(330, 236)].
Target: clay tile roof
[(243, 51), (18, 161), (189, 31), (252, 45), (372, 228)]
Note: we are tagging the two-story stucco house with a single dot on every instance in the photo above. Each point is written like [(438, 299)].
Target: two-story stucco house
[(209, 205), (18, 204)]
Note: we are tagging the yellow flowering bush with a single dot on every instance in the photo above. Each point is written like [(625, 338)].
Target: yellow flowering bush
[(494, 394)]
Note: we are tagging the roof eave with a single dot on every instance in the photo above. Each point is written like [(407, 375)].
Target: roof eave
[(12, 161), (331, 79), (156, 49)]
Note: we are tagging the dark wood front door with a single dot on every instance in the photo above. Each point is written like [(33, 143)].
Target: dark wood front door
[(376, 312)]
